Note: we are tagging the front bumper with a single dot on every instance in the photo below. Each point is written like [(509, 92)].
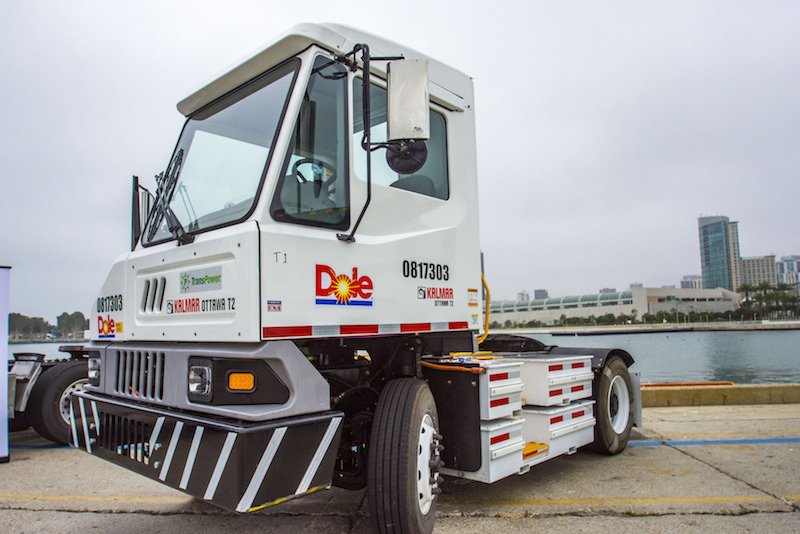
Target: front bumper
[(238, 466)]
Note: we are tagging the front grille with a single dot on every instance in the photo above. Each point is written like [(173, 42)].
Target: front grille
[(125, 437), (140, 374)]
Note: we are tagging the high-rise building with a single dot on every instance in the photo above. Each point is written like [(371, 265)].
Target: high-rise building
[(692, 281), (758, 270), (789, 270), (719, 252), (540, 293)]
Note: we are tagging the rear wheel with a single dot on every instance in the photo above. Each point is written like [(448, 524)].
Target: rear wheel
[(614, 407), (48, 406), (403, 481)]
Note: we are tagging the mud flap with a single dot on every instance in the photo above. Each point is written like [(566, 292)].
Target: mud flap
[(240, 467)]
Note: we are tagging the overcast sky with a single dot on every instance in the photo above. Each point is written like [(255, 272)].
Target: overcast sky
[(604, 128)]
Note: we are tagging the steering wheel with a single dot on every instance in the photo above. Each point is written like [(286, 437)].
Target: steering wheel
[(319, 183)]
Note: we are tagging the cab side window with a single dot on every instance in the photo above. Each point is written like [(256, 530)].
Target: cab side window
[(431, 180), (313, 188)]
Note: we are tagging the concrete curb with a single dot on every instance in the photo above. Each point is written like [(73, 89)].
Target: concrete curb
[(720, 395)]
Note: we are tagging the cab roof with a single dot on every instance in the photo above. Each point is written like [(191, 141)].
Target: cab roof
[(449, 86)]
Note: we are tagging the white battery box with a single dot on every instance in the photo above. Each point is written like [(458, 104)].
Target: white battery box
[(553, 381), (562, 428), (501, 451)]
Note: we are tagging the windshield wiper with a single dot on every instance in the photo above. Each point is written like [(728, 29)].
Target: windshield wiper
[(166, 188), (176, 228)]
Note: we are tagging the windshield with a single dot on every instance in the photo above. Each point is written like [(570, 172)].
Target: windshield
[(221, 157)]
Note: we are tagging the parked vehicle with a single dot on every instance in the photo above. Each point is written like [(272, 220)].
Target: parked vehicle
[(296, 313), (40, 392)]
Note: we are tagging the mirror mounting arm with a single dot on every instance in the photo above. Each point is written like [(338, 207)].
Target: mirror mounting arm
[(366, 140)]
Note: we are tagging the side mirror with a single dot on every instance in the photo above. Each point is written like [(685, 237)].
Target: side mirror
[(140, 209), (409, 107)]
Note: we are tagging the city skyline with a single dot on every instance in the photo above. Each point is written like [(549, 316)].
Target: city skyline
[(603, 130)]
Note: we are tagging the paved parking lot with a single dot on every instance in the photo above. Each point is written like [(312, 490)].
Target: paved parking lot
[(731, 468)]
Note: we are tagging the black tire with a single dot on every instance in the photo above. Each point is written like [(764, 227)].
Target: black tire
[(613, 408), (20, 422), (48, 406), (403, 468)]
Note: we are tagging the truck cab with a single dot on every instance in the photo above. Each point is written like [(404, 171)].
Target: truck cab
[(289, 266)]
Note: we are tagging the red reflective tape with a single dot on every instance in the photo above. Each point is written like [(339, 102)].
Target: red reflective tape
[(556, 392), (498, 376), (415, 327), (577, 388), (577, 365), (286, 331), (578, 414), (498, 402), (498, 439), (355, 329), (555, 368), (554, 420), (459, 325)]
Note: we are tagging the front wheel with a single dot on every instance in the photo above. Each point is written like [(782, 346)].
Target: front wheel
[(403, 468), (614, 407), (48, 406)]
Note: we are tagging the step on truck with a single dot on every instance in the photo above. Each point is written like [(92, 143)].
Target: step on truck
[(303, 304)]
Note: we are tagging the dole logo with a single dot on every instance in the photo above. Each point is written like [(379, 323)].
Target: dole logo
[(106, 328), (345, 290)]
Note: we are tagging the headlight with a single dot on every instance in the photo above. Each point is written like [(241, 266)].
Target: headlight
[(200, 380), (94, 371)]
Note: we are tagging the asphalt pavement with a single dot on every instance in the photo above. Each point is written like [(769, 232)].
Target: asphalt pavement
[(721, 468)]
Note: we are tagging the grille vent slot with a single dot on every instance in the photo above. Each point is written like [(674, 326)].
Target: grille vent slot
[(125, 437), (153, 294), (140, 375)]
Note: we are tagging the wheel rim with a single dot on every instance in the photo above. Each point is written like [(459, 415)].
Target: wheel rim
[(619, 404), (63, 402), (426, 476)]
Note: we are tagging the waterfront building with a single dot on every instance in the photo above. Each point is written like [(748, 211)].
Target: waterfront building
[(692, 281), (719, 252), (758, 270), (637, 300), (788, 270)]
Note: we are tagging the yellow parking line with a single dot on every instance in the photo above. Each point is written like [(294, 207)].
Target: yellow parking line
[(779, 433), (93, 498), (576, 501), (599, 501)]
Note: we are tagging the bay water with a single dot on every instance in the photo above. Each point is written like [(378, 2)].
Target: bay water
[(743, 357)]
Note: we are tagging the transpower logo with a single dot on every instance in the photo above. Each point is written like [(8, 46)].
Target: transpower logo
[(186, 282), (201, 280)]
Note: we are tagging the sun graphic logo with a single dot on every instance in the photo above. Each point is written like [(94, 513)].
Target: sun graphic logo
[(342, 290)]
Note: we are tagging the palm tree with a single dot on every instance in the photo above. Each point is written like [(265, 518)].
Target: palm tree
[(765, 288), (746, 289)]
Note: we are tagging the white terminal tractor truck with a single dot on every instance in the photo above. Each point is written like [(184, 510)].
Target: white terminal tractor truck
[(296, 312)]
